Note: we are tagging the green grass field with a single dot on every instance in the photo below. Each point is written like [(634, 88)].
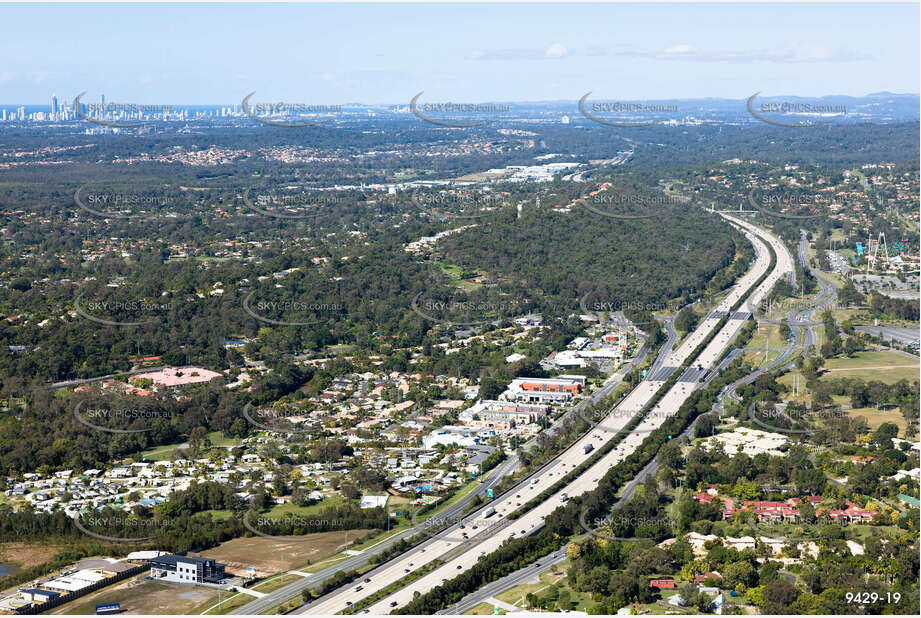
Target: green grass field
[(163, 453), (842, 315), (483, 609), (341, 349), (228, 603), (451, 270), (516, 595), (860, 367), (876, 417), (838, 234), (275, 583), (280, 510), (454, 272), (767, 336), (882, 365)]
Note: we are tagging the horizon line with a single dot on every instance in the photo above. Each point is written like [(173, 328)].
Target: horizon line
[(539, 101)]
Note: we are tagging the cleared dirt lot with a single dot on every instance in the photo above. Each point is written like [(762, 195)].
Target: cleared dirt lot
[(138, 596), (28, 555), (269, 556)]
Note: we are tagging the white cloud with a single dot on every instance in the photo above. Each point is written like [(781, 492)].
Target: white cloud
[(683, 52), (557, 50), (680, 49), (788, 54)]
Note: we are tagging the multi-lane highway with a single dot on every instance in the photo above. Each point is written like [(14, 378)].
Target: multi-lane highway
[(451, 515), (271, 599), (458, 536), (671, 338), (461, 547), (827, 295), (532, 571), (798, 317)]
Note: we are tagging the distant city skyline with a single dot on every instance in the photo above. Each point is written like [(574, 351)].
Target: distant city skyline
[(58, 104), (208, 54)]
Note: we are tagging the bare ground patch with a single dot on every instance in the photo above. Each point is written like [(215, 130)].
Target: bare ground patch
[(28, 555), (138, 596), (270, 556)]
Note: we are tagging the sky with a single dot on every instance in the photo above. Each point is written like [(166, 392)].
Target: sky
[(386, 53)]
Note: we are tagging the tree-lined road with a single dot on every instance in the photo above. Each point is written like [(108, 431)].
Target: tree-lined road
[(461, 556), (434, 522)]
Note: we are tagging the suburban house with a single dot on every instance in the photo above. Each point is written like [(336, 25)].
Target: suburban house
[(777, 512)]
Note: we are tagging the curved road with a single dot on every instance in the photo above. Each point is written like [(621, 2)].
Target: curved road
[(276, 597), (459, 557), (454, 514), (532, 571)]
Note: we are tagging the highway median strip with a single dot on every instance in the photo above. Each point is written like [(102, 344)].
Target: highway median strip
[(607, 487), (393, 587)]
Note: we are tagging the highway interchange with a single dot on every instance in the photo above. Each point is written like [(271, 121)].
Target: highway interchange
[(824, 298), (462, 545), (451, 515)]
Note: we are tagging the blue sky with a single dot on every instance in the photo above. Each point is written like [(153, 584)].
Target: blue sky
[(333, 54)]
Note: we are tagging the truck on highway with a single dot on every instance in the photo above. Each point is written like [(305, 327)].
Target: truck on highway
[(488, 512), (588, 448)]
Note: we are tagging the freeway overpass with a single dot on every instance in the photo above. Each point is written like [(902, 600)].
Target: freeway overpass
[(453, 514), (532, 571), (481, 535)]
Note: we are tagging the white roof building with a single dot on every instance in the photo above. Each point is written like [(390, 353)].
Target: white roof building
[(145, 555), (370, 502), (911, 474), (568, 358), (749, 441)]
